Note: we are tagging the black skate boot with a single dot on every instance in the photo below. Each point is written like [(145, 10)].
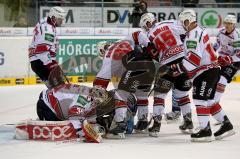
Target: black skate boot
[(225, 130), (141, 125), (155, 129), (118, 131), (187, 126), (204, 135)]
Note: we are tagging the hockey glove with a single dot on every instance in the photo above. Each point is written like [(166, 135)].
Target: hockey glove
[(152, 51), (177, 69), (225, 60), (51, 65)]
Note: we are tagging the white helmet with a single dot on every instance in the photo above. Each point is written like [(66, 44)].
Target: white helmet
[(101, 47), (230, 19), (145, 18), (57, 12), (187, 14)]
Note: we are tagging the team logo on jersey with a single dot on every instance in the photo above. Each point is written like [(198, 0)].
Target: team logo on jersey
[(211, 18)]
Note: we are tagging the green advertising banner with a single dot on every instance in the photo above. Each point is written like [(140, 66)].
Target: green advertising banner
[(79, 57)]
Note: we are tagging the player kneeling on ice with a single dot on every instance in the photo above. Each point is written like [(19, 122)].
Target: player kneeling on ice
[(201, 65), (65, 113)]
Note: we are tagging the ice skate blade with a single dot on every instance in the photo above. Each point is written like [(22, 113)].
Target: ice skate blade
[(171, 121), (154, 134), (187, 131), (225, 135), (118, 136), (145, 131), (203, 139)]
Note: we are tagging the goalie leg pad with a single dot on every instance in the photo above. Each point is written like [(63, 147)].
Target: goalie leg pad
[(45, 130)]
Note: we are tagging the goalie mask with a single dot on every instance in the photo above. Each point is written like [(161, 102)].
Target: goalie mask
[(102, 100)]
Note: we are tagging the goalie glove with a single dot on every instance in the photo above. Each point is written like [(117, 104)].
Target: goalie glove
[(90, 133), (225, 60)]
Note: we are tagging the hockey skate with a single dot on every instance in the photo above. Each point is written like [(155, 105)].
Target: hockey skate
[(172, 116), (225, 130), (204, 135), (155, 129), (141, 126), (187, 125), (118, 131)]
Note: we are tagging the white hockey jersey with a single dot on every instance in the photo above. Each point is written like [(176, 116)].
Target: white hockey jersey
[(200, 53), (166, 37), (66, 100), (44, 43), (112, 62), (228, 44), (139, 38)]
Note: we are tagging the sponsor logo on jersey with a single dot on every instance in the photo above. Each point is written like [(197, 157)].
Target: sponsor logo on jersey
[(49, 37), (172, 52), (191, 44), (236, 44)]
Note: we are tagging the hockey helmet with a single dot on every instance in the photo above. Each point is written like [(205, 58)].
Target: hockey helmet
[(189, 15), (145, 19), (102, 47), (230, 19), (57, 12)]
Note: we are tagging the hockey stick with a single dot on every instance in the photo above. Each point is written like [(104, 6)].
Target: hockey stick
[(64, 75), (163, 70)]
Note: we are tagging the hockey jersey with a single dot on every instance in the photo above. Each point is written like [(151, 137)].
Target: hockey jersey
[(200, 53), (67, 101), (44, 43), (139, 38), (112, 62), (166, 38), (228, 44)]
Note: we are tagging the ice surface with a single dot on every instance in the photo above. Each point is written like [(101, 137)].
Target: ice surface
[(18, 103)]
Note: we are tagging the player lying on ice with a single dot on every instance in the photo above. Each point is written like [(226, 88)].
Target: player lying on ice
[(65, 112)]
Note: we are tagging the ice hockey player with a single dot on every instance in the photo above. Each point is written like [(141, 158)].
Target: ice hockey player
[(228, 49), (166, 37), (200, 64), (69, 102), (43, 49), (116, 58)]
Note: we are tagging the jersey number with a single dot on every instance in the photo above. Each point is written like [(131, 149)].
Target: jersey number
[(118, 50), (165, 40)]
